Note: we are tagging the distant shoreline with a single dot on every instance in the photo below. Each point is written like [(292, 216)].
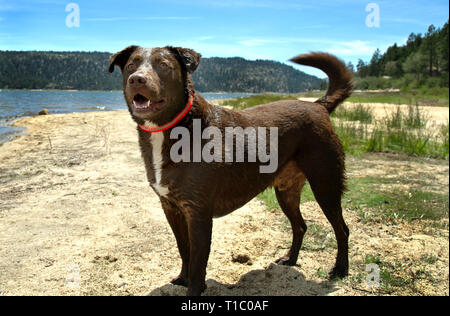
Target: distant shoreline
[(201, 92), (19, 103)]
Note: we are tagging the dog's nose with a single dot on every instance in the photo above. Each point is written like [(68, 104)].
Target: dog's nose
[(137, 80)]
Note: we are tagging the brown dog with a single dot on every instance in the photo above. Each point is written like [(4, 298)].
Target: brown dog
[(158, 88)]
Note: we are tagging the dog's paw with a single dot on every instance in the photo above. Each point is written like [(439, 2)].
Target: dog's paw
[(285, 261), (338, 273), (179, 281)]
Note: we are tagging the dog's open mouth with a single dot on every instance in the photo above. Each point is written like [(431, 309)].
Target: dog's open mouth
[(143, 104)]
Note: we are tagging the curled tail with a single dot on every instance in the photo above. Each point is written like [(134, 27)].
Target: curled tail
[(340, 84)]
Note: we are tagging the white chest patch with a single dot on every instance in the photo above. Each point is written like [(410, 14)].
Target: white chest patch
[(157, 140)]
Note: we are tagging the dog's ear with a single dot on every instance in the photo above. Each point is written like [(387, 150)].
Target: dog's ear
[(121, 57), (189, 58)]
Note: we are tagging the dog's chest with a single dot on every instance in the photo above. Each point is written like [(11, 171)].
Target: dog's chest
[(157, 142)]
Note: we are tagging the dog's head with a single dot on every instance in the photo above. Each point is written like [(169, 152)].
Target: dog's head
[(156, 81)]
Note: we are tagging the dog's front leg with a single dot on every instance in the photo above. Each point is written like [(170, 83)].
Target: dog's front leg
[(178, 223), (200, 228)]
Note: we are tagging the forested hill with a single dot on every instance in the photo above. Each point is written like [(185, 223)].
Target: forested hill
[(88, 71), (423, 62), (238, 74)]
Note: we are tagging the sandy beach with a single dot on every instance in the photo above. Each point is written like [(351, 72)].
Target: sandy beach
[(77, 217)]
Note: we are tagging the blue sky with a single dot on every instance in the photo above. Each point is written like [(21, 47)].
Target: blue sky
[(261, 29)]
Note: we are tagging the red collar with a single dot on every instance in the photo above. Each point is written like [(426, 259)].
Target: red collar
[(177, 118)]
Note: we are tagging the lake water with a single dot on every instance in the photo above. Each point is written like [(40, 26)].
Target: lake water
[(15, 104)]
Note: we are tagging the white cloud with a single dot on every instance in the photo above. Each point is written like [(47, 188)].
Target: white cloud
[(352, 48)]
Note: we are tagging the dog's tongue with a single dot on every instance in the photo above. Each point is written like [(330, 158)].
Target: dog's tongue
[(141, 102)]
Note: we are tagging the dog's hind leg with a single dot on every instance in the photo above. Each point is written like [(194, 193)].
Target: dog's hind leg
[(178, 223), (324, 169), (331, 206), (288, 187)]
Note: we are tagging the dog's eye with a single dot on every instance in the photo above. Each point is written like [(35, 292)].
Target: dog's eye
[(131, 67), (163, 65)]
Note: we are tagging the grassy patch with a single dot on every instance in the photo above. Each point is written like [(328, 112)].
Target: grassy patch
[(270, 200), (318, 238), (321, 273), (393, 203), (359, 112), (425, 97), (353, 135), (412, 118), (389, 202), (246, 102), (376, 199), (435, 97), (400, 276), (421, 142)]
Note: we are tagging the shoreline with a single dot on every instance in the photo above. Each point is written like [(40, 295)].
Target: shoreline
[(56, 102), (438, 114), (17, 121), (121, 91)]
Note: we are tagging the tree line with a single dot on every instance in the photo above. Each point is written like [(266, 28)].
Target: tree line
[(422, 62), (88, 71)]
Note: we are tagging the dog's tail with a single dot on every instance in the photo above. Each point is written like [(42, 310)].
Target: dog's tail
[(340, 84)]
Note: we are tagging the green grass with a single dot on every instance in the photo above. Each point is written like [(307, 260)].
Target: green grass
[(369, 259), (270, 199), (400, 131), (433, 96), (367, 194), (398, 275), (412, 118), (395, 203), (321, 273), (360, 113), (420, 142), (392, 203), (246, 102)]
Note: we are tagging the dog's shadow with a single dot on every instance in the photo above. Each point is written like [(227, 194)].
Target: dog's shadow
[(275, 280)]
